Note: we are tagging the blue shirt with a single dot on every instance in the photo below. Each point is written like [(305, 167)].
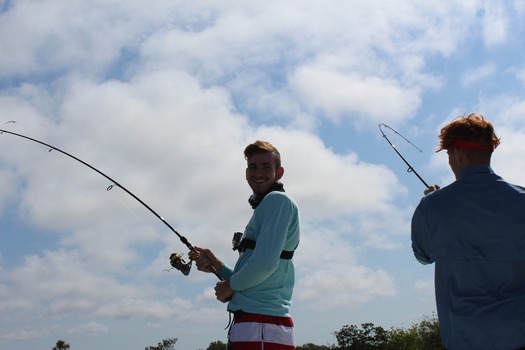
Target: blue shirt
[(262, 281), (474, 230)]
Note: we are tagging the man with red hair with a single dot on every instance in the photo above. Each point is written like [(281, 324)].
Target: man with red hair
[(474, 231)]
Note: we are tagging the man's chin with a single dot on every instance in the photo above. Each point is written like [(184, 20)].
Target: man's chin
[(260, 191)]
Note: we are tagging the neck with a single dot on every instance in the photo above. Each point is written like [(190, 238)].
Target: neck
[(256, 198)]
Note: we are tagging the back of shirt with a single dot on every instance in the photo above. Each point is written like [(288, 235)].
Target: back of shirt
[(474, 230)]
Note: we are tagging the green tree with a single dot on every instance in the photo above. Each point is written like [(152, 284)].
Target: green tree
[(368, 337), (423, 335), (428, 334), (420, 336), (310, 346), (217, 345), (402, 339), (61, 345), (166, 344)]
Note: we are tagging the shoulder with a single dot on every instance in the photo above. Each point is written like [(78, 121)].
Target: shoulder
[(278, 196), (278, 200), (444, 191), (440, 198)]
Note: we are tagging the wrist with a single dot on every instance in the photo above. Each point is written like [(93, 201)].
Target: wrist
[(218, 265)]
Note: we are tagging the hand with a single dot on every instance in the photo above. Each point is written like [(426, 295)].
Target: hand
[(205, 260), (223, 291), (431, 189)]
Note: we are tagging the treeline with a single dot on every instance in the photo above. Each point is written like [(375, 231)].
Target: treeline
[(423, 335)]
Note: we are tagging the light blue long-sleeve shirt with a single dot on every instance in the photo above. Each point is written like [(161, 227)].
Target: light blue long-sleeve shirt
[(262, 281), (474, 231)]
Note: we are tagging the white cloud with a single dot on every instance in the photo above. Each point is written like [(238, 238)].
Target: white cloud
[(478, 74), (520, 75), (495, 23), (163, 99), (331, 276), (424, 286), (196, 138), (353, 97), (90, 328), (344, 287)]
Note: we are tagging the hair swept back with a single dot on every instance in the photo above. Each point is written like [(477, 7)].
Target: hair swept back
[(473, 127), (259, 147)]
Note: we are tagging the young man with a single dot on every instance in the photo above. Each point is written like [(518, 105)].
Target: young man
[(474, 230), (259, 288)]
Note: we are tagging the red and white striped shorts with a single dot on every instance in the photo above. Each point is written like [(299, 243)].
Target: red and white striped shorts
[(261, 332)]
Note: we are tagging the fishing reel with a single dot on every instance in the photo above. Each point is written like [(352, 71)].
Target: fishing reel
[(178, 263)]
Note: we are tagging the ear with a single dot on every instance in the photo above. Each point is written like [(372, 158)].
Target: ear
[(460, 155), (279, 173)]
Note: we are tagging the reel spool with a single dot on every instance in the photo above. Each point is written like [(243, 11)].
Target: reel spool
[(178, 263)]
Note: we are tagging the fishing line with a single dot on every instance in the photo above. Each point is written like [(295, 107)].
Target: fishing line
[(410, 168), (175, 259)]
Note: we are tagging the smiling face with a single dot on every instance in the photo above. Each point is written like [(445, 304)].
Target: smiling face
[(262, 172)]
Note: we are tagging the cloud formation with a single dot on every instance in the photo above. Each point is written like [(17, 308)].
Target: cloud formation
[(163, 98)]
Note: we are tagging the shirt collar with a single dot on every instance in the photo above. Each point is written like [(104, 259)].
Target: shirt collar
[(476, 169)]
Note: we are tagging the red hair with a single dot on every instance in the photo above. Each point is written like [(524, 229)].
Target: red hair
[(473, 132)]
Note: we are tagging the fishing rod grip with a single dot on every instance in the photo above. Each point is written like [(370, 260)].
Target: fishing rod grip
[(212, 268), (217, 274)]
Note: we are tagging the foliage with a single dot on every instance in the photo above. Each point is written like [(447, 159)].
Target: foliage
[(310, 346), (166, 344), (427, 334), (61, 345), (368, 337), (217, 345), (423, 335), (420, 336)]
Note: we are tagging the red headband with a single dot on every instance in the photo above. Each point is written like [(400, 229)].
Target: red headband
[(470, 145)]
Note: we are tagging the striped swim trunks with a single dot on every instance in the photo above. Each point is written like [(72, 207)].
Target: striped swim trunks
[(261, 332)]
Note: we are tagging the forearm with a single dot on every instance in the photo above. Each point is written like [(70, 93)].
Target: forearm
[(225, 272)]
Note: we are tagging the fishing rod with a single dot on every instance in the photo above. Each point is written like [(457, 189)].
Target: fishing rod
[(176, 259), (410, 168)]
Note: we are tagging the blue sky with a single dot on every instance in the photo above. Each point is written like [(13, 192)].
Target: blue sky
[(164, 99)]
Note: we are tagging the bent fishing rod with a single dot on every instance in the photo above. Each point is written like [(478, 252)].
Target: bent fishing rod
[(410, 168), (176, 259)]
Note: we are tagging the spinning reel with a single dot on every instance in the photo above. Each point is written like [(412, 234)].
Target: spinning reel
[(178, 263)]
